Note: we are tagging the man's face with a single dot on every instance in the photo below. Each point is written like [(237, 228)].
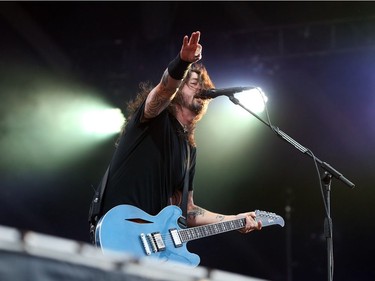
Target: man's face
[(190, 98)]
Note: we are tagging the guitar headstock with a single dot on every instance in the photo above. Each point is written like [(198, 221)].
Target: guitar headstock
[(268, 218)]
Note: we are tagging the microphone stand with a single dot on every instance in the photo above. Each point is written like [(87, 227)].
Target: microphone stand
[(326, 179), (328, 231)]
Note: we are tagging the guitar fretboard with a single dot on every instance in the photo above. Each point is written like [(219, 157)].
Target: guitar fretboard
[(210, 229)]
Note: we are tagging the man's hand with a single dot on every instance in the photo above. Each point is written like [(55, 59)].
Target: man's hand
[(251, 223), (191, 50)]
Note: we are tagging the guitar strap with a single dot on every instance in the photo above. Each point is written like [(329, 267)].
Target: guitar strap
[(96, 206), (183, 219)]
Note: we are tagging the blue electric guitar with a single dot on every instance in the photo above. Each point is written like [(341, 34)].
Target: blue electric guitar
[(129, 230)]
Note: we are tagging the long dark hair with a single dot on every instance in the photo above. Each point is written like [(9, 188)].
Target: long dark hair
[(146, 87), (206, 83)]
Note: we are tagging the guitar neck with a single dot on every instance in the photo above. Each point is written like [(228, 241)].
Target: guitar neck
[(210, 229)]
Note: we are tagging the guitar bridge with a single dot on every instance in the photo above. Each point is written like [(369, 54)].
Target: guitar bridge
[(145, 244)]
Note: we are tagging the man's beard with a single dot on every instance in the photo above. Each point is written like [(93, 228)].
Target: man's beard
[(196, 106)]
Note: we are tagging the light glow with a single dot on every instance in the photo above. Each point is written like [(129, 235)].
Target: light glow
[(102, 121), (254, 99), (225, 136), (50, 123)]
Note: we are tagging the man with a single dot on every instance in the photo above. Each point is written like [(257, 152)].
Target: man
[(148, 167)]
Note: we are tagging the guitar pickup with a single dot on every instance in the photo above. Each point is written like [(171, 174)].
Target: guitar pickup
[(157, 241), (175, 237)]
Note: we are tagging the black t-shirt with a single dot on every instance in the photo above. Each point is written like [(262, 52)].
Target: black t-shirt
[(149, 164)]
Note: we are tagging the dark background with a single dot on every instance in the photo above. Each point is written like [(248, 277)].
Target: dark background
[(314, 60)]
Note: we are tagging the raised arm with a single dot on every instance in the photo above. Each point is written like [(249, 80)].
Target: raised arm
[(160, 96)]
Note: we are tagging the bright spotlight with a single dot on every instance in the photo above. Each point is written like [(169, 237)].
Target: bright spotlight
[(102, 121), (50, 123), (253, 99)]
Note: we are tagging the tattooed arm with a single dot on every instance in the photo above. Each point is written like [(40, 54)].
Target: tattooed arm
[(199, 216), (160, 97)]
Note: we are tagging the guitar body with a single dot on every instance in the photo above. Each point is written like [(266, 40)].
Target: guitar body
[(128, 229)]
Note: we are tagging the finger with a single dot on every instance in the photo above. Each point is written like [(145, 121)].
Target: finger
[(259, 225), (185, 41), (252, 214), (194, 39), (197, 37)]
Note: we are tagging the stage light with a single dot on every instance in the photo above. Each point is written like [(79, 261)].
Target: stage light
[(254, 100), (102, 121), (50, 123)]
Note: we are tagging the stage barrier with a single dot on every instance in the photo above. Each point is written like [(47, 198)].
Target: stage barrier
[(31, 256)]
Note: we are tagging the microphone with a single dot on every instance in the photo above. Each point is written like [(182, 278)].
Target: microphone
[(213, 93)]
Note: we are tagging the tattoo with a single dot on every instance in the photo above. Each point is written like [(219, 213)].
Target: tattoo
[(220, 217), (197, 211), (154, 106), (160, 100)]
